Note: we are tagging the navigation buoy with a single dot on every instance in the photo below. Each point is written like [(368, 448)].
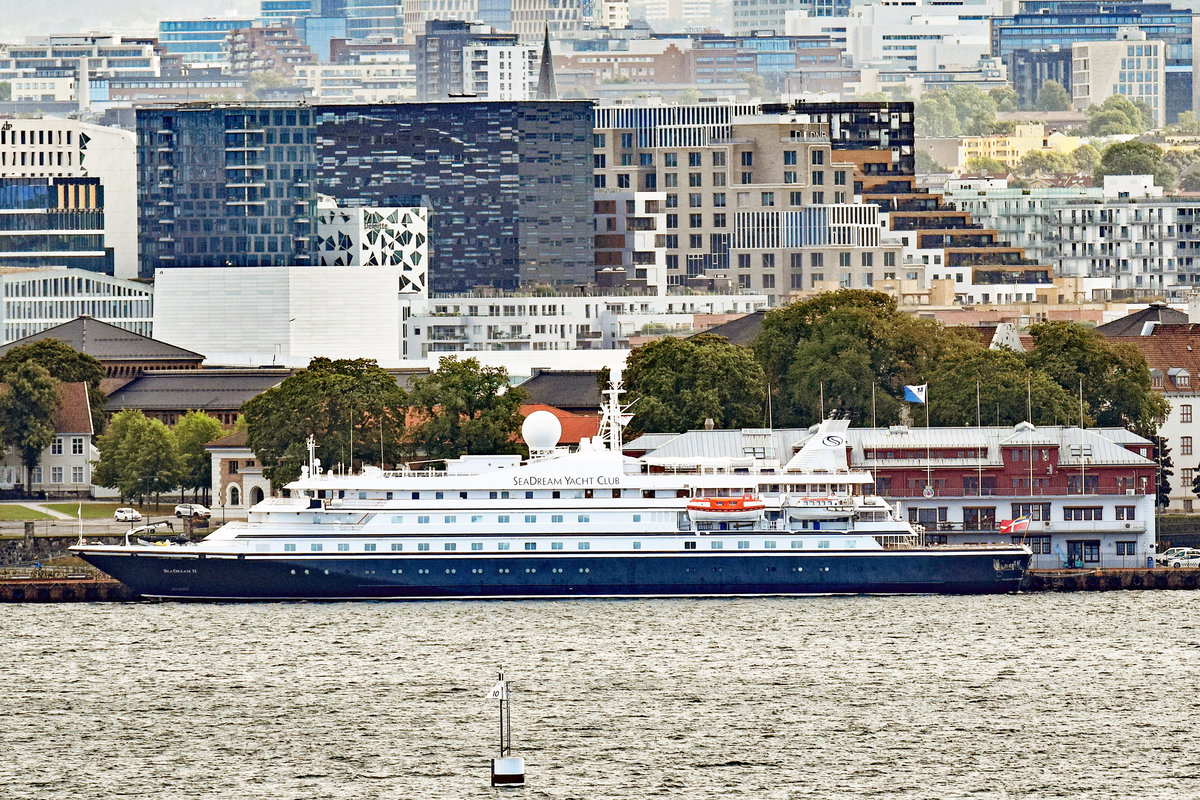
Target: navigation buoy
[(507, 770)]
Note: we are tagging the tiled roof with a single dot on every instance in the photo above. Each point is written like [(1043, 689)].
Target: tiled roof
[(108, 343), (572, 390), (74, 415), (195, 389), (1132, 324), (1170, 347), (237, 439), (740, 331)]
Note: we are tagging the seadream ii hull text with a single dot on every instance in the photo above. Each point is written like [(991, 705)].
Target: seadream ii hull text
[(213, 576)]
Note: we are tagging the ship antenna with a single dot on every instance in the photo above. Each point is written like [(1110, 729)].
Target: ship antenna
[(312, 454), (614, 418)]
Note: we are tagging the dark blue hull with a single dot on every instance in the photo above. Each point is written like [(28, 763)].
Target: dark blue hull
[(219, 577)]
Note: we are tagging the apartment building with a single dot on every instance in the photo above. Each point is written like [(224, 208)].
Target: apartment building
[(1133, 66)]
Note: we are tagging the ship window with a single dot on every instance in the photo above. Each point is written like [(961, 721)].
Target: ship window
[(637, 545), (397, 520), (556, 517), (531, 545), (502, 546), (556, 494), (823, 543), (370, 548), (851, 543), (477, 518), (389, 495), (397, 546), (529, 495), (504, 495), (451, 518), (585, 517), (531, 517), (769, 545), (716, 545), (502, 518), (476, 545), (585, 545), (316, 548), (343, 547), (647, 493), (423, 545), (797, 544), (362, 495), (289, 548), (637, 517), (451, 546), (462, 495), (556, 545), (689, 545), (438, 495), (743, 545), (416, 495), (491, 495), (423, 520)]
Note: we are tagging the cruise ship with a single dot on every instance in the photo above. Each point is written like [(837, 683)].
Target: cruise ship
[(591, 522)]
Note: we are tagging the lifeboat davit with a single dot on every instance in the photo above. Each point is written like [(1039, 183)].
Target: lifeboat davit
[(725, 509)]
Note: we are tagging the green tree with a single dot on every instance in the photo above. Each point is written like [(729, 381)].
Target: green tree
[(838, 345), (1007, 390), (138, 457), (5, 91), (463, 408), (689, 97), (1117, 115), (926, 165), (29, 412), (984, 165), (1165, 469), (1187, 124), (1005, 98), (1114, 376), (936, 116), (1084, 158), (264, 80), (1038, 162), (1052, 97), (192, 433), (351, 407), (975, 109), (64, 363), (676, 384), (1135, 158)]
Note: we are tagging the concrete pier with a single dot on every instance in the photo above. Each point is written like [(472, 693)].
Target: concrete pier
[(1108, 580), (59, 585)]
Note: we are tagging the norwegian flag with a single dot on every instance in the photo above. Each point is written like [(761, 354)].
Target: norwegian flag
[(1018, 525)]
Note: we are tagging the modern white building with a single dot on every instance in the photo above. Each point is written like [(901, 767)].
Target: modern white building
[(68, 196), (1132, 66), (376, 79), (32, 300), (376, 237), (501, 72)]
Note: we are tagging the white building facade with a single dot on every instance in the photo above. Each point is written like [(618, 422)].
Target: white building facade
[(1132, 66)]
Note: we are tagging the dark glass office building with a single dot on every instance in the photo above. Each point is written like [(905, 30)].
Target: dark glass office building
[(1044, 24), (508, 184)]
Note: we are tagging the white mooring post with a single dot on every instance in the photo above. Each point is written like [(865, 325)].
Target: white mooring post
[(507, 770)]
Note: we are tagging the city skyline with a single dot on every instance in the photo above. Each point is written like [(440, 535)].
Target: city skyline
[(126, 17)]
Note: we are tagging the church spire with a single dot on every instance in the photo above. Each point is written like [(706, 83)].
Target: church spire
[(546, 90)]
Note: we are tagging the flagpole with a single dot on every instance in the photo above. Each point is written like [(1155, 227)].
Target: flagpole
[(875, 458), (928, 462), (822, 401), (979, 426)]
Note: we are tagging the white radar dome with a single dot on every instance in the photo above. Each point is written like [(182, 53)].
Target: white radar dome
[(541, 430)]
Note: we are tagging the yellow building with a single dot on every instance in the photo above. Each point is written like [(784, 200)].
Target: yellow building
[(1008, 149)]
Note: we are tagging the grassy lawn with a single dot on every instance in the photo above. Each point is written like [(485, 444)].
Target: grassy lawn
[(90, 510), (10, 512)]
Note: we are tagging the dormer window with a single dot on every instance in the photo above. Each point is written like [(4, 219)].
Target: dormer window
[(1156, 379), (1180, 377)]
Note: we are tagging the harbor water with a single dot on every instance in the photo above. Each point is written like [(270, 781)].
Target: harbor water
[(1022, 696)]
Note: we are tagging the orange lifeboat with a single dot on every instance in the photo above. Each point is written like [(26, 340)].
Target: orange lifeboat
[(725, 509)]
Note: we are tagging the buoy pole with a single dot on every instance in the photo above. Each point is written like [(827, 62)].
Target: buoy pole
[(507, 770)]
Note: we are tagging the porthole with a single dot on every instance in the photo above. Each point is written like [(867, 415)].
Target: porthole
[(305, 572), (293, 572)]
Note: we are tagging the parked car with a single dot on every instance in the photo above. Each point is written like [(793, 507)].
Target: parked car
[(127, 515), (1188, 558), (193, 510), (1165, 556)]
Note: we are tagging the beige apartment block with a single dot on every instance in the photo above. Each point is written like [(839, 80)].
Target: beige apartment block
[(1133, 66), (759, 200)]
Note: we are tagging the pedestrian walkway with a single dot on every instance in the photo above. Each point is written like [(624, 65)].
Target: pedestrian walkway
[(50, 512)]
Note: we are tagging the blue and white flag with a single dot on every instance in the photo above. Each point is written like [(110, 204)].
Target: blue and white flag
[(915, 394)]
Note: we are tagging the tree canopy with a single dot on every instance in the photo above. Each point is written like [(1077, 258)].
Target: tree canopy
[(1119, 115), (194, 430), (1038, 162), (64, 363), (138, 457), (994, 387), (960, 110), (1052, 97), (1114, 376), (1135, 158), (347, 403), (463, 407), (677, 384), (984, 165), (29, 413)]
